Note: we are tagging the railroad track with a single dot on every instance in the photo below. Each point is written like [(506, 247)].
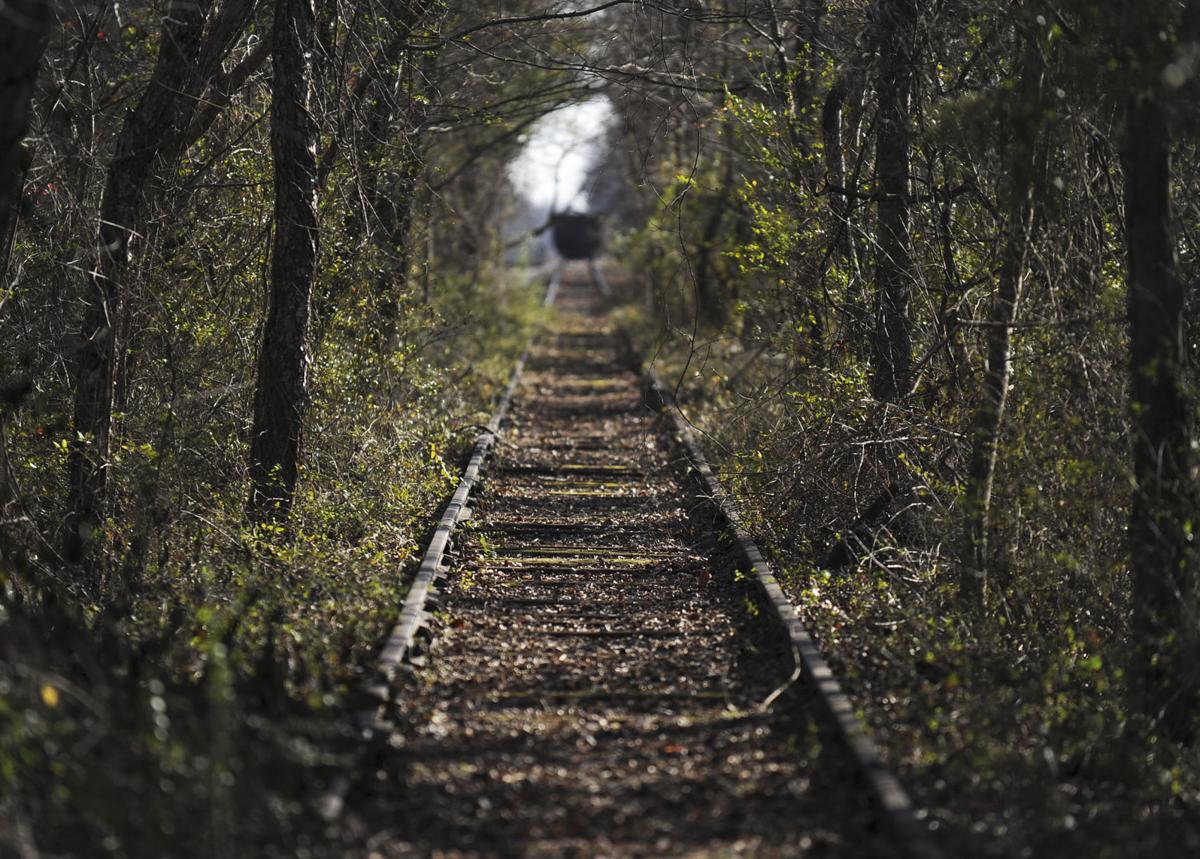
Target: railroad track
[(592, 676)]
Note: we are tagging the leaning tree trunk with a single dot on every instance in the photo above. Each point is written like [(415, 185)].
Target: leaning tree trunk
[(23, 28), (281, 392), (157, 120), (1163, 519), (891, 346)]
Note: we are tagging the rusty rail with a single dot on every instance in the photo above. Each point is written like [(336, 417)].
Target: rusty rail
[(897, 811), (809, 663), (414, 616)]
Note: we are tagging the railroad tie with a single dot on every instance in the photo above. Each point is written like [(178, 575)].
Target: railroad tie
[(595, 680)]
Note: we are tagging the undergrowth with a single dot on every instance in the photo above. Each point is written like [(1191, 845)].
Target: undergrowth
[(200, 706), (1011, 727)]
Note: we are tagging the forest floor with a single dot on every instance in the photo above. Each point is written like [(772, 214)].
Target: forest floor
[(594, 687)]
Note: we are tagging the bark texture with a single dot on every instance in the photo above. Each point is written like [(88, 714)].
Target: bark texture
[(891, 350), (1024, 120), (23, 28), (1164, 511), (989, 414), (153, 127), (710, 295), (835, 160), (281, 391)]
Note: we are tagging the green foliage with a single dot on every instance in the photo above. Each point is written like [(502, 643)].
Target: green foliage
[(242, 650), (1013, 724), (190, 690)]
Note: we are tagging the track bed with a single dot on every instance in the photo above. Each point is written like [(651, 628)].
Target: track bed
[(595, 682)]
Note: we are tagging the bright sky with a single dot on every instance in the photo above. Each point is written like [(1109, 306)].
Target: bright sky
[(565, 143)]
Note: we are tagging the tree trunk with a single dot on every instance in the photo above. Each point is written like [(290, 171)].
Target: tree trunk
[(989, 415), (891, 347), (281, 391), (843, 247), (25, 24), (708, 295), (1163, 518), (395, 103), (391, 286), (22, 41), (835, 165), (397, 227), (162, 113), (1023, 123)]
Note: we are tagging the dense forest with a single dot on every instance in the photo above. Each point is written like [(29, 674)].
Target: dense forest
[(918, 272)]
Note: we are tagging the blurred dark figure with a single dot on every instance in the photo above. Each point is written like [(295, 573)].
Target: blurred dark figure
[(576, 235)]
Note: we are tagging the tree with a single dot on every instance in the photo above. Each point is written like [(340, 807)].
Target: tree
[(891, 347), (195, 36), (281, 393), (1163, 518), (23, 28), (387, 94), (1020, 120)]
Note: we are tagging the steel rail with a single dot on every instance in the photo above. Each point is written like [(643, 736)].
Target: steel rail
[(414, 613), (809, 663), (898, 812)]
